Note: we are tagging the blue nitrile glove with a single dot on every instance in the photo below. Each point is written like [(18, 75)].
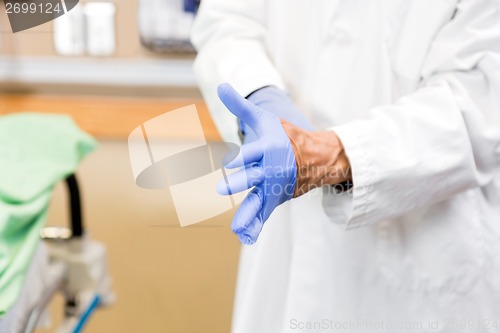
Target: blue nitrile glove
[(276, 101), (269, 165)]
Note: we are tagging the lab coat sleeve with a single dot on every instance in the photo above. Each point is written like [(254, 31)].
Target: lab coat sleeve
[(439, 140), (230, 37)]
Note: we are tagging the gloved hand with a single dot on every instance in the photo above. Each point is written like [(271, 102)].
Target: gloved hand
[(283, 161), (276, 101), (269, 165)]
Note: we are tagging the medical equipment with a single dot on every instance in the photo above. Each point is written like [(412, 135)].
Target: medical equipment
[(77, 268)]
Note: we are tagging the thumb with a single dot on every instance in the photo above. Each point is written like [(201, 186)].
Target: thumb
[(240, 107)]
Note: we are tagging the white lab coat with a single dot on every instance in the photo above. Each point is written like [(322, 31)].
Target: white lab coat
[(412, 88)]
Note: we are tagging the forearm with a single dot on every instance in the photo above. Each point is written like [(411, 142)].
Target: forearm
[(438, 140), (230, 39)]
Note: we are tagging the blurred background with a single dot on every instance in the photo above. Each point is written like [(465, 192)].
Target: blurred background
[(112, 66)]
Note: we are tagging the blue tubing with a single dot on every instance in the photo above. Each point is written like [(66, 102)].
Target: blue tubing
[(86, 315)]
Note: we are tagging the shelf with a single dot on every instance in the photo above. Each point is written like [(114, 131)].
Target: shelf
[(162, 73)]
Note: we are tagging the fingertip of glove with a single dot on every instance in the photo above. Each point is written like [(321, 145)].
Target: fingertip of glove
[(246, 239), (230, 157), (232, 164), (238, 228), (223, 89), (222, 188), (248, 232)]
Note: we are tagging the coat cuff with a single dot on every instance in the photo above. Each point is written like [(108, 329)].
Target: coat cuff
[(353, 208), (247, 85)]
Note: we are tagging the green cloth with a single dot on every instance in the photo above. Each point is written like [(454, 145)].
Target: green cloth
[(36, 152)]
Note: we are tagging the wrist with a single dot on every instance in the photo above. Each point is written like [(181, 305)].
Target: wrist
[(320, 157)]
